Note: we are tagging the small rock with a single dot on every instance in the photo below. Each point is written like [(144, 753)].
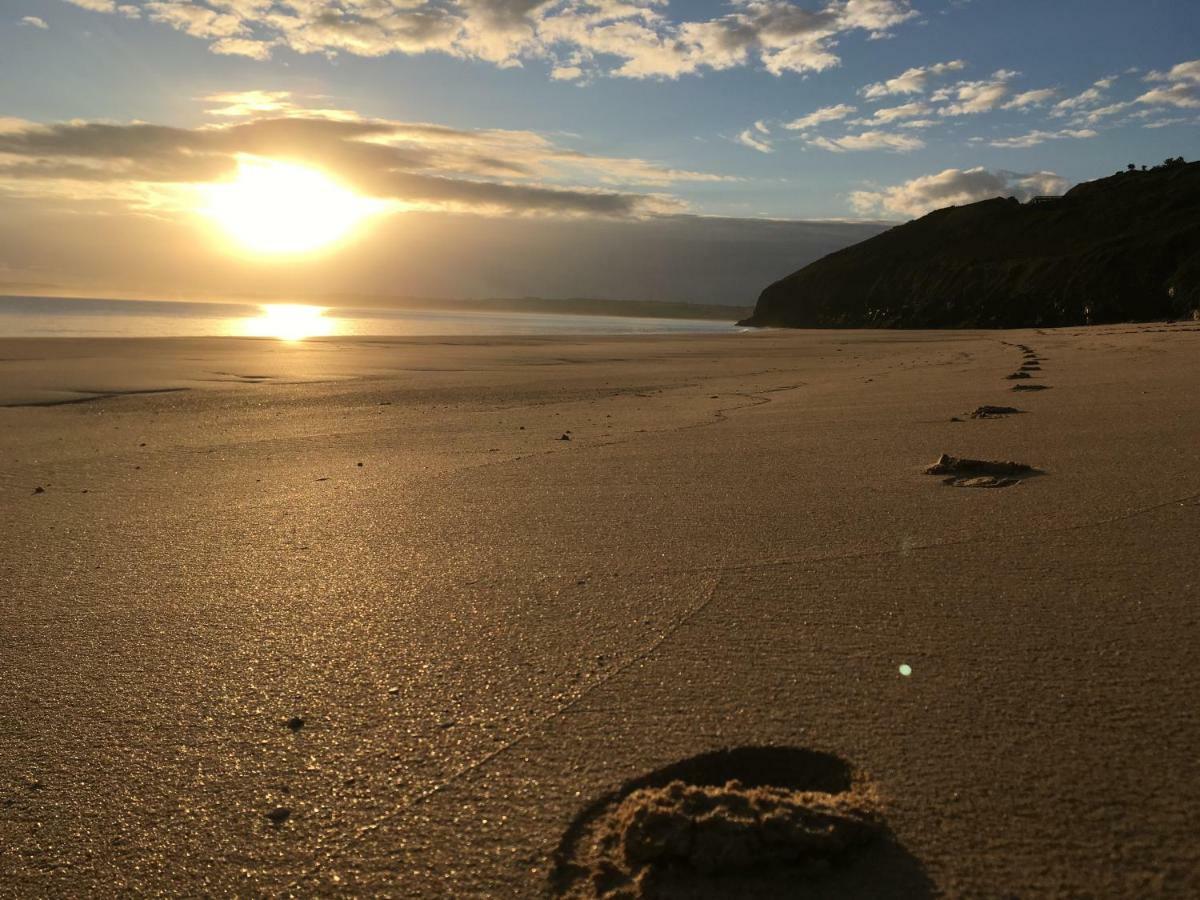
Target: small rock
[(295, 723), (993, 412), (565, 437), (393, 690), (279, 815), (41, 490), (360, 465)]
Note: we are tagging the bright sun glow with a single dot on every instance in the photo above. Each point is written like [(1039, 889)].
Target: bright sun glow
[(279, 208), (289, 322)]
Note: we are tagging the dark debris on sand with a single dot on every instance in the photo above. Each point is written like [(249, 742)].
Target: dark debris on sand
[(993, 412), (979, 473)]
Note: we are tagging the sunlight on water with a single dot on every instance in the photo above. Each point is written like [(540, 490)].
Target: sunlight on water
[(290, 322), (295, 322)]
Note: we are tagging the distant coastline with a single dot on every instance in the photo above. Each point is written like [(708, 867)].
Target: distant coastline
[(578, 306)]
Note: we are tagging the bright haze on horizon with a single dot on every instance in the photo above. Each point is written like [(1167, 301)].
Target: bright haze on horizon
[(471, 148)]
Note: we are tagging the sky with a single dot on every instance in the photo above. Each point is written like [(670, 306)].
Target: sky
[(509, 143)]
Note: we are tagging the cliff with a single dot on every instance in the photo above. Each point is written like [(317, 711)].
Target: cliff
[(1123, 248)]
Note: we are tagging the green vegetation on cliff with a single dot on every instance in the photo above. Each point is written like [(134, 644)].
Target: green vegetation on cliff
[(1123, 248)]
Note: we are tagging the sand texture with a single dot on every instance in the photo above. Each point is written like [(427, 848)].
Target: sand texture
[(351, 617)]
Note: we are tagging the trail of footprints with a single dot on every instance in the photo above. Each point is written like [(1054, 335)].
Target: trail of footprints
[(981, 473)]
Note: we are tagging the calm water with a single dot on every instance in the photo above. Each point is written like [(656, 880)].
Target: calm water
[(61, 317)]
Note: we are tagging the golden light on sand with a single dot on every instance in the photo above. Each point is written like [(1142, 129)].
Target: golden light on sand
[(278, 208), (289, 322)]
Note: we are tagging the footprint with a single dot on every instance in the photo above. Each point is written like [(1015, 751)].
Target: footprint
[(993, 412), (980, 473), (747, 822)]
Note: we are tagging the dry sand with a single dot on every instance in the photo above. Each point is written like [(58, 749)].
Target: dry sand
[(351, 617)]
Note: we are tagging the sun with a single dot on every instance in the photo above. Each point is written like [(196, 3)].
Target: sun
[(277, 208)]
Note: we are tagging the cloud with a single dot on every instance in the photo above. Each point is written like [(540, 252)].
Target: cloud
[(232, 46), (415, 164), (890, 114), (625, 38), (953, 187), (752, 138), (974, 97), (104, 6), (1027, 99), (34, 22), (1181, 88), (1184, 71), (911, 81), (869, 140), (1033, 138), (1093, 96), (824, 114)]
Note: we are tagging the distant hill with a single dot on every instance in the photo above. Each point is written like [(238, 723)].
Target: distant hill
[(1124, 248)]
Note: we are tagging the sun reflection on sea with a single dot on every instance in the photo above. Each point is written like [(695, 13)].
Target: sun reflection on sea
[(289, 322)]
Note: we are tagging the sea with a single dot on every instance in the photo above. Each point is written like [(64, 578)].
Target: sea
[(81, 317)]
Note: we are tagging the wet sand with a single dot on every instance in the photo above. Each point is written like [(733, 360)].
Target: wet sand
[(352, 617)]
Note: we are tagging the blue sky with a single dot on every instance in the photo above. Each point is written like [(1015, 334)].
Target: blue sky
[(669, 107)]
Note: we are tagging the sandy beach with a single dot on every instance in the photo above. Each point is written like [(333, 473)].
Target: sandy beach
[(389, 617)]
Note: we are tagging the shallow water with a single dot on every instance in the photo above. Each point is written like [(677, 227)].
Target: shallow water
[(68, 317)]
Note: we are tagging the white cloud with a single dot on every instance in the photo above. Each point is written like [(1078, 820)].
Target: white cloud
[(1181, 88), (1031, 98), (1184, 71), (953, 187), (974, 97), (1093, 116), (869, 140), (824, 114), (911, 81), (34, 22), (105, 6), (578, 38), (242, 47), (890, 114), (1093, 96), (1183, 95), (1033, 138), (752, 138)]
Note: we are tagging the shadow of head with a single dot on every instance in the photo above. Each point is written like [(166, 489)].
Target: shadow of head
[(881, 869)]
